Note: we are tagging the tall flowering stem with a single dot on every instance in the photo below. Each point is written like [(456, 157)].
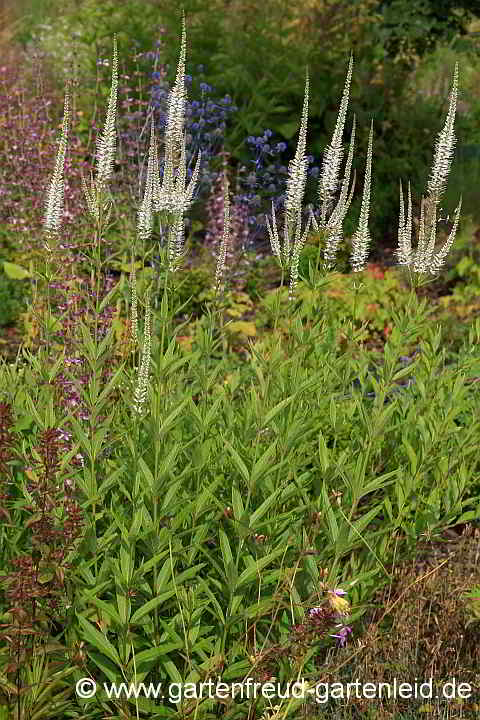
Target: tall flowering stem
[(361, 238), (55, 197), (222, 256), (97, 197), (332, 159), (425, 260), (297, 171), (172, 198), (54, 205), (332, 225), (331, 220), (141, 389)]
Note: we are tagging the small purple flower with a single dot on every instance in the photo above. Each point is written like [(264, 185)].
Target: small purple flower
[(314, 612), (342, 636)]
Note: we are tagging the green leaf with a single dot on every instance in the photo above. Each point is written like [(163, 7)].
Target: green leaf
[(125, 267), (243, 327), (330, 515), (105, 665), (15, 272), (405, 371), (146, 472), (237, 503), (225, 548), (220, 615), (333, 413), (230, 568), (411, 455), (359, 525), (98, 640), (173, 672), (264, 507), (263, 607), (152, 654), (263, 463), (382, 481), (108, 610), (109, 297), (110, 385), (274, 411), (253, 571), (150, 605), (288, 129), (23, 423), (238, 462), (323, 452), (237, 670), (213, 411), (171, 418)]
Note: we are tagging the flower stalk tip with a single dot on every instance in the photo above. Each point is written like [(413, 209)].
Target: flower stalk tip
[(55, 197)]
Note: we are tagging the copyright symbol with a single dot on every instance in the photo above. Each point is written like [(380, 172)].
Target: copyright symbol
[(86, 688)]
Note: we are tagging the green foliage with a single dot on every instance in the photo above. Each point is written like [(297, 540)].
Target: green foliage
[(416, 26), (310, 255), (13, 297), (193, 288), (262, 274)]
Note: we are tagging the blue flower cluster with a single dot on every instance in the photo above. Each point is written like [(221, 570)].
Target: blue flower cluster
[(269, 180), (205, 123)]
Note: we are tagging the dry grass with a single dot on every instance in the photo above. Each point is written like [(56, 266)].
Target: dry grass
[(421, 627)]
